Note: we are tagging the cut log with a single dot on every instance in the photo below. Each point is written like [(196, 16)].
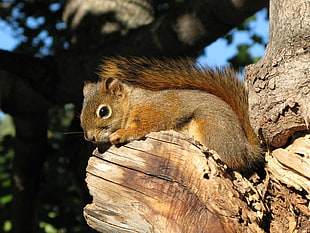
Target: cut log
[(169, 183)]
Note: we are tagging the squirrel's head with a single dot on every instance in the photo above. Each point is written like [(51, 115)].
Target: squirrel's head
[(103, 109)]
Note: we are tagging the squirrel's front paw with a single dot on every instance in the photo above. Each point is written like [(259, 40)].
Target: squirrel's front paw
[(119, 136)]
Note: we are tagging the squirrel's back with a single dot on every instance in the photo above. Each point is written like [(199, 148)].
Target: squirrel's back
[(183, 73), (137, 95)]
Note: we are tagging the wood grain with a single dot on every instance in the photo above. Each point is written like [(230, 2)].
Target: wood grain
[(166, 183)]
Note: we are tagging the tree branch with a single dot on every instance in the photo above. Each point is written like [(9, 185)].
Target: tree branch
[(279, 81), (187, 29), (183, 31), (39, 72)]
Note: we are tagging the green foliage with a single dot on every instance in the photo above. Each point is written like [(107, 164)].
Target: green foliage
[(243, 56), (61, 202), (61, 199), (7, 133), (7, 226), (37, 24)]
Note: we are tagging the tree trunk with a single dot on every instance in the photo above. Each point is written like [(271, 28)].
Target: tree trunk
[(170, 183), (279, 84), (30, 152)]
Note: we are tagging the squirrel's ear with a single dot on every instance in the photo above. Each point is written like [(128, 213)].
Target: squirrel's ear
[(87, 87), (112, 86)]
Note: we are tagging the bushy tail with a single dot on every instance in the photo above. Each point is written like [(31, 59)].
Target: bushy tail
[(155, 74)]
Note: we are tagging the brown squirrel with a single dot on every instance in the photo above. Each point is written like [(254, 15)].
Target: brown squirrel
[(136, 96)]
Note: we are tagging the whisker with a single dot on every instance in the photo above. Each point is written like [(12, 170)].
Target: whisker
[(80, 132)]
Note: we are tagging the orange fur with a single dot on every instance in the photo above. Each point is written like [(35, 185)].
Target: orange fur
[(146, 95)]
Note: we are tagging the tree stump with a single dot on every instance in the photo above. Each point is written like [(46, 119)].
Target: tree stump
[(169, 183)]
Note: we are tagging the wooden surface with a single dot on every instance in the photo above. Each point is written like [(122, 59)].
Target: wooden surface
[(168, 183)]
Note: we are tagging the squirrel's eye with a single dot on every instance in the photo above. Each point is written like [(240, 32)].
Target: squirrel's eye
[(103, 112)]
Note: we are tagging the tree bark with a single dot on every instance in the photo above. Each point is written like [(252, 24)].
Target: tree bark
[(279, 84), (289, 187), (171, 183), (28, 162)]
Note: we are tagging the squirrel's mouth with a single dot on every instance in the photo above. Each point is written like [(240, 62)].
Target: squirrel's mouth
[(103, 137)]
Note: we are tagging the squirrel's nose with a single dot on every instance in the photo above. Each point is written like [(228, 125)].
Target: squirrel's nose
[(89, 137)]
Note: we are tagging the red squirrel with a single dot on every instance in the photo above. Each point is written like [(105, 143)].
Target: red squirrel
[(136, 96)]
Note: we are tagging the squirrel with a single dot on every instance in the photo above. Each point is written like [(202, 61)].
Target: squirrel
[(138, 95)]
